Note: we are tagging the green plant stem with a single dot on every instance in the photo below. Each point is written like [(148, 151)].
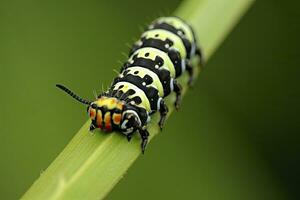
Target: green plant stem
[(91, 165)]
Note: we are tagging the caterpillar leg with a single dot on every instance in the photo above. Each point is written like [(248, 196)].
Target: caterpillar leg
[(129, 136), (200, 56), (177, 89), (190, 70), (163, 110), (144, 135), (92, 127)]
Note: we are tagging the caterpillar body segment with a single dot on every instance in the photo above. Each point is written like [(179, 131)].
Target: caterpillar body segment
[(162, 54)]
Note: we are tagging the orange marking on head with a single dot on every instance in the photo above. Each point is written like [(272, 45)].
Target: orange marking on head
[(107, 121), (99, 119), (113, 100), (117, 118), (120, 105), (92, 113)]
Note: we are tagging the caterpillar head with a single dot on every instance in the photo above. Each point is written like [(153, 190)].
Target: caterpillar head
[(109, 113), (106, 113)]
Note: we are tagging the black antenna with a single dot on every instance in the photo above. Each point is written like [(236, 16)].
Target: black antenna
[(72, 94)]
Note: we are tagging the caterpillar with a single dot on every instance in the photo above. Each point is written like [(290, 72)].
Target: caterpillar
[(162, 54)]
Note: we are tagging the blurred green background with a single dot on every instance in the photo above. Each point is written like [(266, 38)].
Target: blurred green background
[(236, 136)]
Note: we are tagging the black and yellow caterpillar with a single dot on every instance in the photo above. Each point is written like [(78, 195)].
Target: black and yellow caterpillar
[(163, 53)]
